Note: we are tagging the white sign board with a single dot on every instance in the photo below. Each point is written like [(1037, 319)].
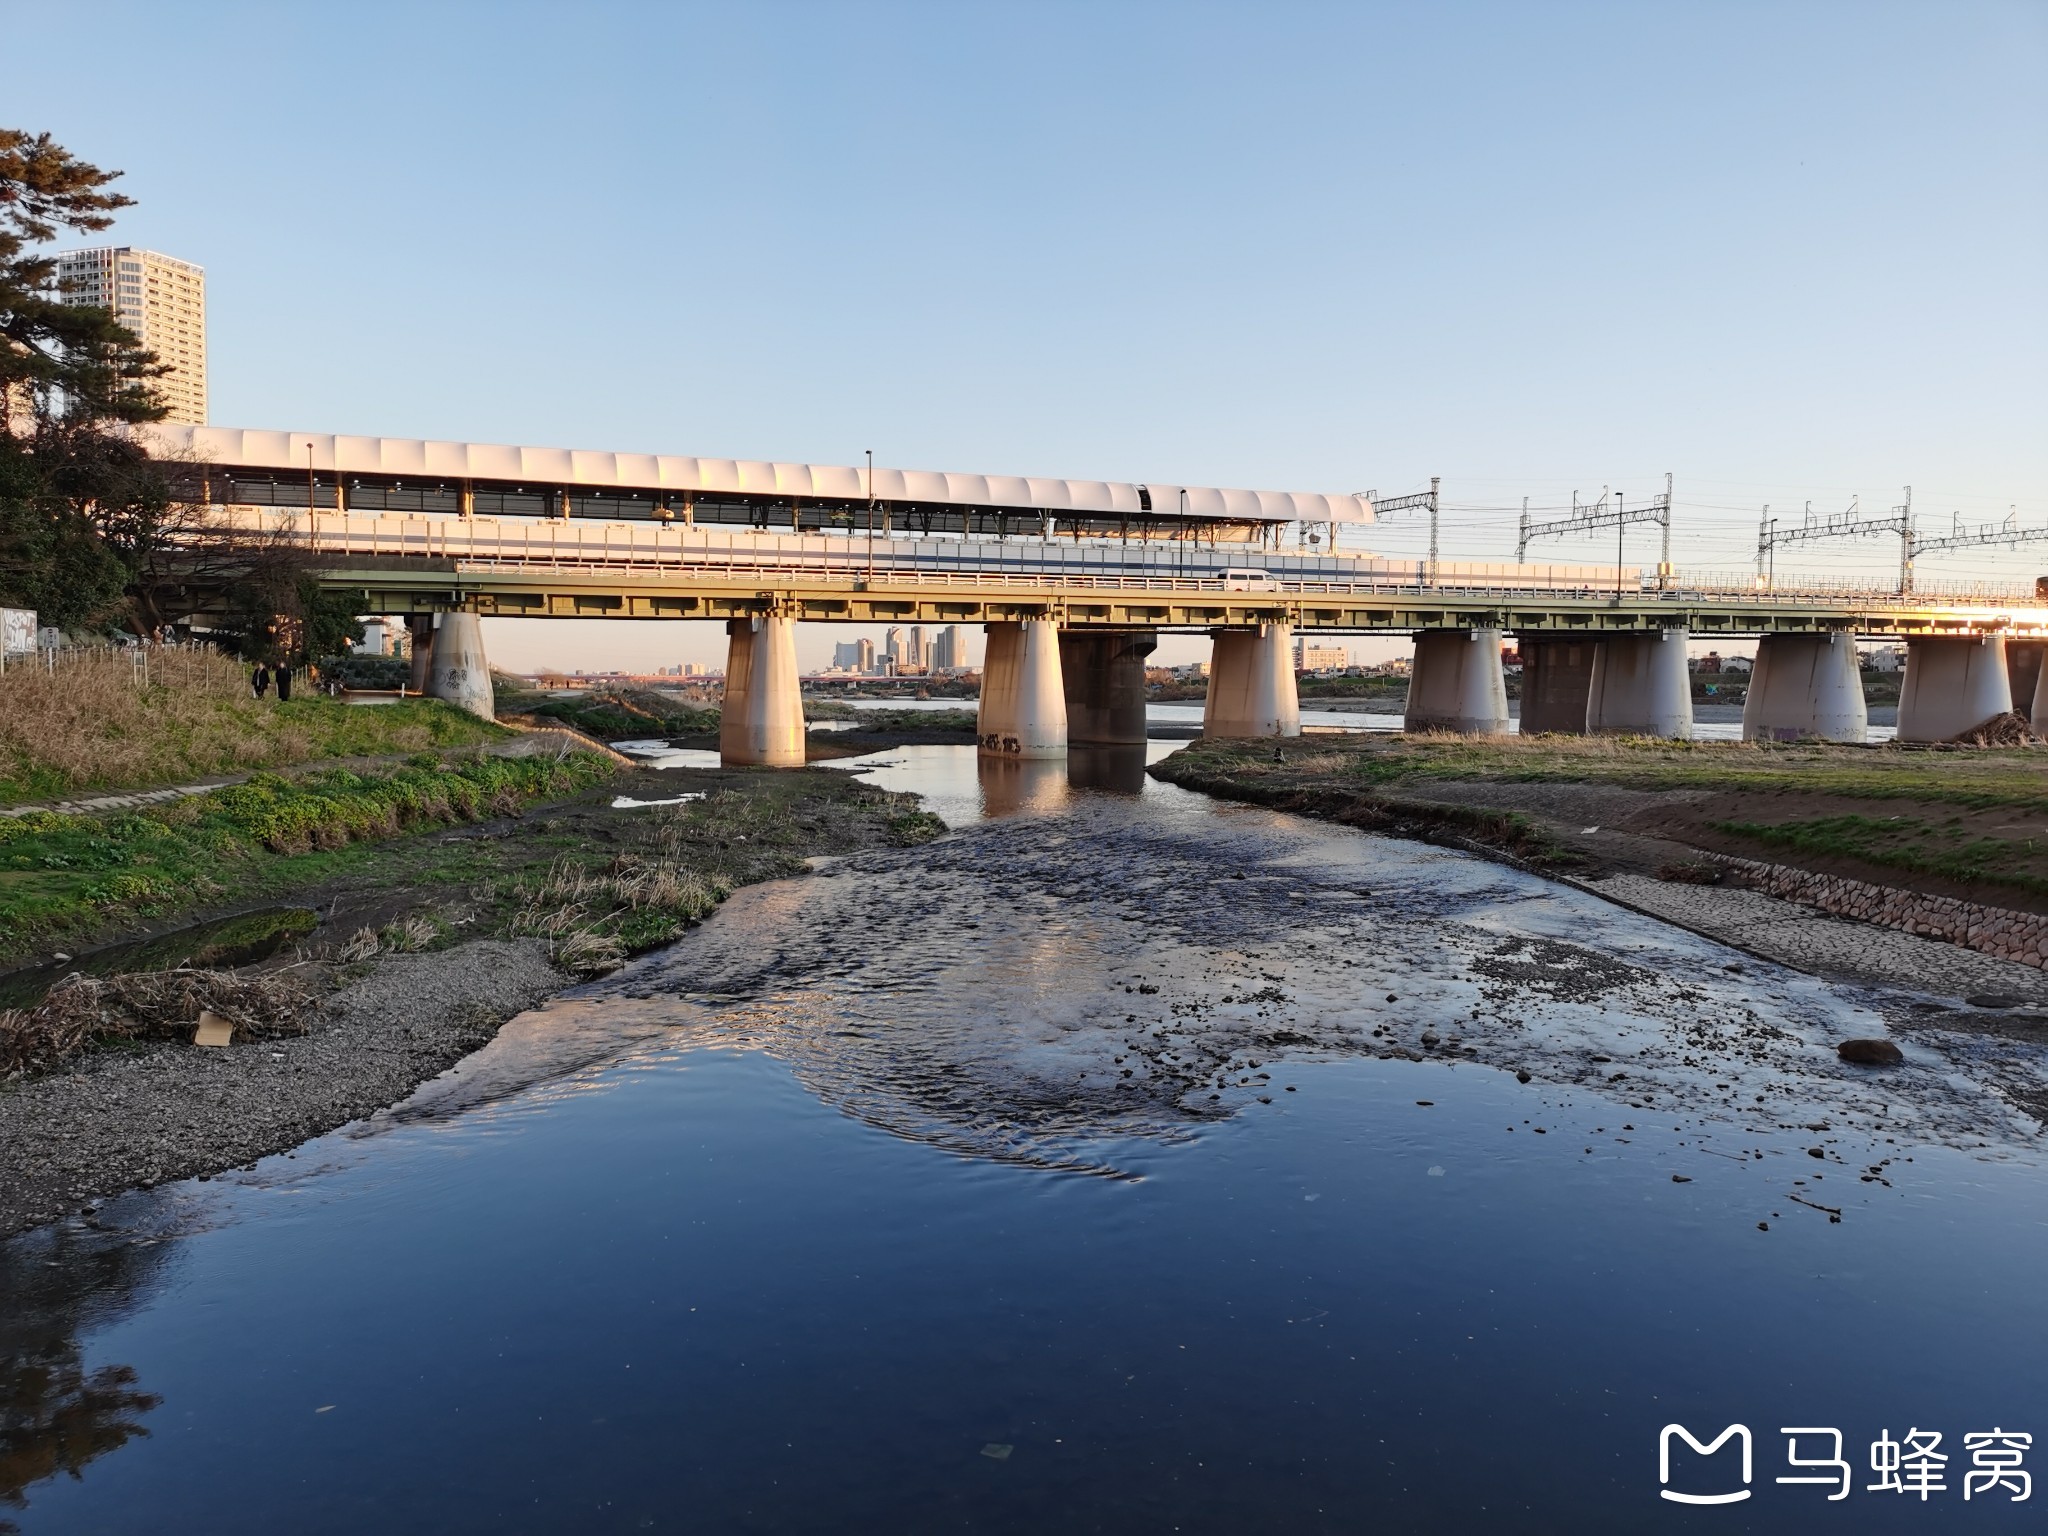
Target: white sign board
[(17, 630)]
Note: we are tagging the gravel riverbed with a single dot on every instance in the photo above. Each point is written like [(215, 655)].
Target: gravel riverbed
[(125, 1119)]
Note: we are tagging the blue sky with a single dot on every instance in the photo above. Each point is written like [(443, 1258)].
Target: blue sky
[(1787, 252)]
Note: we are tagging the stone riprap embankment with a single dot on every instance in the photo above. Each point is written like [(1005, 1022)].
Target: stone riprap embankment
[(1995, 931)]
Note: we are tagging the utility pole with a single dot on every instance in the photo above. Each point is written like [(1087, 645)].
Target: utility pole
[(1906, 535), (1849, 523), (1664, 564), (871, 516), (1421, 499), (1434, 505), (1620, 532)]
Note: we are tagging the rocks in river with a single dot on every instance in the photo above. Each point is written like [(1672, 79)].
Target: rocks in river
[(1430, 1039), (1871, 1053), (1522, 1076)]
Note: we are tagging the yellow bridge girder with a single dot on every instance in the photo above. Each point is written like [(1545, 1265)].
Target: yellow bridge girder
[(505, 589)]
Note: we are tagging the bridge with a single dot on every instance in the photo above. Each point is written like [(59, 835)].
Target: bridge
[(1074, 580)]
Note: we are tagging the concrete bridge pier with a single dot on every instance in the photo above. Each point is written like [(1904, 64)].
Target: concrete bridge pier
[(2023, 668), (1455, 683), (1806, 686), (1023, 701), (1103, 674), (458, 671), (1252, 691), (1953, 684), (1641, 686), (1557, 681), (419, 627), (762, 724)]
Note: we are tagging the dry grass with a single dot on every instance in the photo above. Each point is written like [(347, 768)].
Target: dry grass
[(92, 723), (593, 918), (360, 945), (149, 1005), (409, 935)]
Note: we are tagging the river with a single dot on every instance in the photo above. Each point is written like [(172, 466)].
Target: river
[(1121, 1162)]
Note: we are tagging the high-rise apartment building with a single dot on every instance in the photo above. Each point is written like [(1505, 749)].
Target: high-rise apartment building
[(162, 300), (945, 653)]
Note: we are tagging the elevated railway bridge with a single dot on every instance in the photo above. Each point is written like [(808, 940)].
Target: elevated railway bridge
[(1074, 581)]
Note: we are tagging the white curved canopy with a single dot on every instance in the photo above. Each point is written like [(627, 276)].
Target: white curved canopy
[(248, 448)]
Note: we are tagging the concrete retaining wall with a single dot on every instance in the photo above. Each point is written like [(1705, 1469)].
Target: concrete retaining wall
[(1996, 931)]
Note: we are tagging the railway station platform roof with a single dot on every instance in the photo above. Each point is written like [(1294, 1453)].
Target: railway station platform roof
[(286, 459)]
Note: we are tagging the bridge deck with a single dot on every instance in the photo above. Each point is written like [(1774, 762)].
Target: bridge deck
[(554, 569)]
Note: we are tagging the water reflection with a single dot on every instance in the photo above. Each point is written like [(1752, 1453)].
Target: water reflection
[(1114, 770), (57, 1414), (1084, 967)]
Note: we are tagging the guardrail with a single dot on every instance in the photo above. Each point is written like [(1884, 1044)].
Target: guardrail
[(488, 544)]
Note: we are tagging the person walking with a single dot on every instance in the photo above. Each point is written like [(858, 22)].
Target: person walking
[(259, 680), (284, 682)]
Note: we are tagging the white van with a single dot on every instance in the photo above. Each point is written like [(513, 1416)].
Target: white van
[(1236, 579)]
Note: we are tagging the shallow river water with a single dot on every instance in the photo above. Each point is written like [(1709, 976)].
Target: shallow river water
[(1122, 1162)]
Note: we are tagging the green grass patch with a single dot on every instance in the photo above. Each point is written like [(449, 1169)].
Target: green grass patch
[(2016, 777), (1904, 842), (622, 715), (59, 872)]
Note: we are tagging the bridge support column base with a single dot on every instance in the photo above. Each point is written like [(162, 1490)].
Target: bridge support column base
[(762, 722), (457, 671), (1103, 673), (2023, 668), (419, 628), (1455, 683), (1953, 684), (1557, 681), (1023, 710), (1641, 686), (1806, 686), (1252, 690)]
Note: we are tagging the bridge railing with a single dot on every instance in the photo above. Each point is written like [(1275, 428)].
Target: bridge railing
[(511, 544)]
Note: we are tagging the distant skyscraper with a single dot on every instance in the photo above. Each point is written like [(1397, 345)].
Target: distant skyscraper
[(892, 645), (867, 655), (913, 650), (162, 300), (945, 655), (846, 658)]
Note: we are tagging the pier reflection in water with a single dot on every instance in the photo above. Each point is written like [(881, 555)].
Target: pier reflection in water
[(780, 1229)]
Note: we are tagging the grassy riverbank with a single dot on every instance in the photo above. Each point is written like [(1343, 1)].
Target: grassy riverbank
[(404, 946), (94, 724), (1967, 822), (66, 876)]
